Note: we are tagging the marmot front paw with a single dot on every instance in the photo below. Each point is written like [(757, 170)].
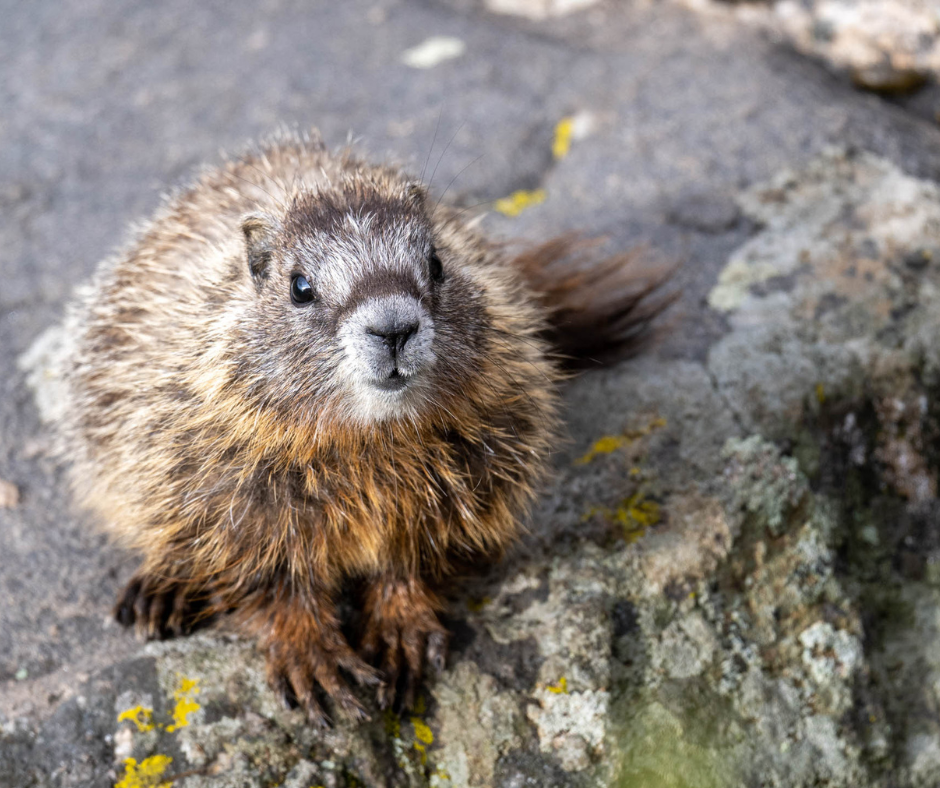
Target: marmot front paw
[(162, 607), (402, 627), (297, 669)]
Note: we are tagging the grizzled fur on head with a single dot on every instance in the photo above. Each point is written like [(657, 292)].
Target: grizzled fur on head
[(395, 326)]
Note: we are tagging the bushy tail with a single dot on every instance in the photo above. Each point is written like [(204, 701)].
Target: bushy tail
[(601, 309)]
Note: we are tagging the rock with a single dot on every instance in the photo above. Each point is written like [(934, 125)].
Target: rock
[(478, 724), (433, 51), (884, 77), (888, 46), (706, 212), (571, 726), (538, 9), (9, 495), (829, 653), (41, 364)]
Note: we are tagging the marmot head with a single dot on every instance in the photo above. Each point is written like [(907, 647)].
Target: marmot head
[(364, 313)]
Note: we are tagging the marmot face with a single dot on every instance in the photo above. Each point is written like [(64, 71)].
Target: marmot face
[(362, 315)]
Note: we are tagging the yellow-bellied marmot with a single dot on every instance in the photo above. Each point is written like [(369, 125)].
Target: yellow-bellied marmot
[(303, 370)]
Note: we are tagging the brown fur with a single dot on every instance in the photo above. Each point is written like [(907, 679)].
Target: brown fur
[(599, 309), (208, 437)]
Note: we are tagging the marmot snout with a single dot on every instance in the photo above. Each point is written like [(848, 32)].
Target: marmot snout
[(301, 371), (392, 340)]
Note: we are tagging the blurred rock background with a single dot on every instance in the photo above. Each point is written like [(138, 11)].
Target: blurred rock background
[(734, 577)]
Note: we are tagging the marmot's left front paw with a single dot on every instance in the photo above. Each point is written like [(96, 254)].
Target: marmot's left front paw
[(401, 625), (297, 669), (307, 654)]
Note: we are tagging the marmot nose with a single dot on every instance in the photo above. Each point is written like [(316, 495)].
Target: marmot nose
[(394, 337)]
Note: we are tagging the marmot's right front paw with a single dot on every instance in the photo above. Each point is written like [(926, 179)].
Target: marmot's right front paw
[(160, 607)]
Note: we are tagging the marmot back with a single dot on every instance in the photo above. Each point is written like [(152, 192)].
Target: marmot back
[(303, 370)]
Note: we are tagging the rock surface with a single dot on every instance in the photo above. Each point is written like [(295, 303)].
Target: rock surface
[(890, 46), (734, 577)]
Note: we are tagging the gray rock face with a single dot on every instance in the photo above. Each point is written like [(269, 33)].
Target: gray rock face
[(734, 577), (886, 45)]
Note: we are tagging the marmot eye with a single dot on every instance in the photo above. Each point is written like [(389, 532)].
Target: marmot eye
[(300, 290), (435, 267)]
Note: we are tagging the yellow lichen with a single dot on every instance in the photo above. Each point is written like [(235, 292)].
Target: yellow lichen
[(564, 133), (608, 444), (141, 716), (820, 393), (185, 704), (423, 737), (518, 201), (422, 732), (561, 688), (636, 514), (147, 774)]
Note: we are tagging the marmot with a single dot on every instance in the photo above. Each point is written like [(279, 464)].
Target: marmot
[(304, 370)]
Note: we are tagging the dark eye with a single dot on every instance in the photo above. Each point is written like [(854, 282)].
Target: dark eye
[(300, 290), (435, 267)]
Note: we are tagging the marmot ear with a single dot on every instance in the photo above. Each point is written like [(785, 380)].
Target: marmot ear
[(259, 230), (416, 194)]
